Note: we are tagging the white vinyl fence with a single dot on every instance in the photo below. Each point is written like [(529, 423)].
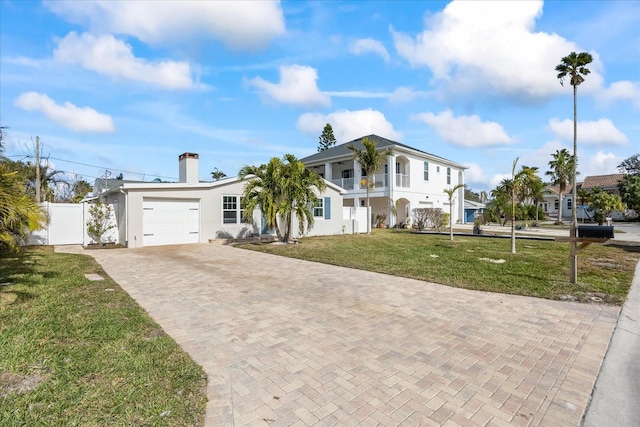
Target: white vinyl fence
[(358, 216), (68, 225)]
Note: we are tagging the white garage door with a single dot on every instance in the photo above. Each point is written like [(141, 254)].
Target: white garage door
[(170, 221)]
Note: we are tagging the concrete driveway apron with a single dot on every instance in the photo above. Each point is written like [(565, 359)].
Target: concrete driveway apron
[(290, 342)]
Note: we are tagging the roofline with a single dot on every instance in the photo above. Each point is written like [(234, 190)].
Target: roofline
[(398, 145), (199, 185)]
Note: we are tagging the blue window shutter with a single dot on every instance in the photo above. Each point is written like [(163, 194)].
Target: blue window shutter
[(327, 208)]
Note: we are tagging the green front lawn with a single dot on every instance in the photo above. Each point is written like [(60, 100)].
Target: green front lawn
[(539, 268), (77, 352)]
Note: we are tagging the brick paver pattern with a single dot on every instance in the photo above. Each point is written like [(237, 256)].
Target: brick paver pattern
[(289, 342)]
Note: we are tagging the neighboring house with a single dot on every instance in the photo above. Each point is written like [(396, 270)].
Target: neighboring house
[(608, 183), (189, 211), (550, 203), (100, 185), (411, 178), (472, 210), (551, 197)]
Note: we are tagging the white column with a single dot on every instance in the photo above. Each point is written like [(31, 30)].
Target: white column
[(328, 171), (356, 175), (461, 197)]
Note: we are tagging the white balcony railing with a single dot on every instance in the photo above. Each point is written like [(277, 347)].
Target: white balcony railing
[(346, 183), (402, 180), (381, 181)]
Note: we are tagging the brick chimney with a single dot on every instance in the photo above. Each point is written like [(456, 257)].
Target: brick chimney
[(188, 168)]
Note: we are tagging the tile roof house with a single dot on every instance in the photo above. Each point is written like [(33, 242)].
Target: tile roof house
[(409, 179), (605, 182)]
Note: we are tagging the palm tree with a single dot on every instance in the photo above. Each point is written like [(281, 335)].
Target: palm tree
[(217, 175), (574, 65), (561, 166), (501, 197), (370, 160), (19, 212), (263, 191), (281, 189), (450, 193), (298, 196)]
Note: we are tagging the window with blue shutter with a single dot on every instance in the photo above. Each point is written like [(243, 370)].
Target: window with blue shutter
[(327, 208)]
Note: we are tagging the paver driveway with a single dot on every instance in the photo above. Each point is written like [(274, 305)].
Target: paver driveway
[(289, 342)]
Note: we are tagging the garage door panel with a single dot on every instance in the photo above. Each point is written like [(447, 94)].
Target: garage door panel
[(170, 221)]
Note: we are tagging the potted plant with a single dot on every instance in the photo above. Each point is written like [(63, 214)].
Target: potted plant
[(380, 219)]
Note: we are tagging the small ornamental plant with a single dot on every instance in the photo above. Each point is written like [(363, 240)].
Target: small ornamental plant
[(99, 223)]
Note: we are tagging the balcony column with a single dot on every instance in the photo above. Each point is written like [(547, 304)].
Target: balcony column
[(328, 171), (356, 175), (391, 174), (461, 197)]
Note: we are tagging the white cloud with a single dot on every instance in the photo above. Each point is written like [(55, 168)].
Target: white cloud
[(358, 94), (597, 132), (491, 47), (369, 45), (620, 91), (348, 125), (77, 119), (297, 86), (465, 131), (240, 25), (107, 55), (497, 178), (475, 174), (406, 94), (599, 164)]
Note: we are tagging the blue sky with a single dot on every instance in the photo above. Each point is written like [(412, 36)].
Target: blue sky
[(128, 86)]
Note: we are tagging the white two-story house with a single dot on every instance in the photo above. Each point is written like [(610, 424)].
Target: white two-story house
[(409, 179)]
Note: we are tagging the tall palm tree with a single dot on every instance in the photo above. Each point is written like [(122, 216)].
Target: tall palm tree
[(574, 65), (561, 174), (298, 195), (450, 192), (370, 160)]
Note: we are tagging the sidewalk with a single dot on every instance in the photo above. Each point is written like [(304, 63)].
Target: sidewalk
[(617, 390)]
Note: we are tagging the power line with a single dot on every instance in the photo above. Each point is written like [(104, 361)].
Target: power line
[(101, 167)]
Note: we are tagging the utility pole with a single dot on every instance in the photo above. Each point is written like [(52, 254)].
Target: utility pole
[(37, 183), (106, 175)]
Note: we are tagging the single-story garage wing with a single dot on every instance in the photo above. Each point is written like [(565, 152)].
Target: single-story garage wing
[(189, 211)]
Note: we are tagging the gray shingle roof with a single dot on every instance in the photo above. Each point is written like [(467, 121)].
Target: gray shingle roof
[(342, 150)]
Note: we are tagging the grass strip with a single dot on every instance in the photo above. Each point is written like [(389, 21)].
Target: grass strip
[(539, 268), (77, 352)]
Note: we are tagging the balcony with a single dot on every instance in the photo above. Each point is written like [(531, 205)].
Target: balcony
[(402, 180), (381, 181), (346, 183)]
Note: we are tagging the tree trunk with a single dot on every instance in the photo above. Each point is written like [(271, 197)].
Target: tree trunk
[(573, 270)]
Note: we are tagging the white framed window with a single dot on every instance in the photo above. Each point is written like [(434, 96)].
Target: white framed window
[(449, 176), (556, 204), (569, 204), (347, 173), (438, 169), (232, 212), (426, 171), (318, 208)]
